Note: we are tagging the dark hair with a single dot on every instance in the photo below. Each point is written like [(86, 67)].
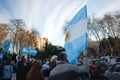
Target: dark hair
[(62, 56)]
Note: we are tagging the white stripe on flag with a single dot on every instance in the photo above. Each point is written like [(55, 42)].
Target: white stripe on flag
[(77, 30)]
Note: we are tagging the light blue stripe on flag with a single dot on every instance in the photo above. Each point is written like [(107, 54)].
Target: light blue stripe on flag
[(75, 47), (76, 36)]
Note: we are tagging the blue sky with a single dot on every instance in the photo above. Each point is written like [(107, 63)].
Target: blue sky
[(49, 16)]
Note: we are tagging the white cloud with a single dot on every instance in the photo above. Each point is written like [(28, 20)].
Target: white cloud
[(47, 16), (113, 5)]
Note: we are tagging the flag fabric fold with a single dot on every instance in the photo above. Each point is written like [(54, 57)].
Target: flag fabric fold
[(6, 46), (76, 36), (27, 50)]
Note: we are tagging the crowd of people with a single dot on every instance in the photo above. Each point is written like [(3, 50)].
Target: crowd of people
[(57, 68)]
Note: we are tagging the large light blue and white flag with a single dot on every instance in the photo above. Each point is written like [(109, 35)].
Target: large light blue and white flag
[(76, 35), (6, 46), (27, 50)]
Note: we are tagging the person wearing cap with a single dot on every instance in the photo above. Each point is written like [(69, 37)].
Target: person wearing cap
[(67, 71)]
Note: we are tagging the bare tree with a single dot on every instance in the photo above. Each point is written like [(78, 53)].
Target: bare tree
[(93, 28), (108, 26), (16, 26), (3, 31)]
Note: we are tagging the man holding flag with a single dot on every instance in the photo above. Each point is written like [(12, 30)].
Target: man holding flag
[(75, 44), (67, 71)]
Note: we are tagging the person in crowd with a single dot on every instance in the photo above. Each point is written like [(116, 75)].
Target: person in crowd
[(86, 61), (67, 71), (14, 57), (1, 60), (7, 71), (116, 60), (22, 70), (35, 73), (9, 57), (1, 55), (112, 61), (1, 70), (53, 62), (46, 70), (5, 56), (14, 70)]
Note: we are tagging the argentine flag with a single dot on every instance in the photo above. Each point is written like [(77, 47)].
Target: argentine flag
[(27, 50), (76, 35)]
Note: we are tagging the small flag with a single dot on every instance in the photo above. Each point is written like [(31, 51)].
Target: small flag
[(27, 50), (76, 36)]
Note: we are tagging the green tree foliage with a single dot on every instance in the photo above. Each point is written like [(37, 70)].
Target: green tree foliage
[(49, 51)]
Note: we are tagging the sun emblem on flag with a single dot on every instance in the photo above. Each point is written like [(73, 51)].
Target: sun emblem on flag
[(67, 37)]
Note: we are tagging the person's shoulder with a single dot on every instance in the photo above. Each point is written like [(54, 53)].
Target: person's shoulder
[(71, 66)]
